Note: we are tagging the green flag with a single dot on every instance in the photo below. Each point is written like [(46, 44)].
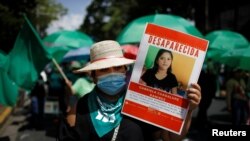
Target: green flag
[(8, 90), (28, 57)]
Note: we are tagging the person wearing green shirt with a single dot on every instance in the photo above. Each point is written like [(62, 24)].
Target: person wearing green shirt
[(78, 89)]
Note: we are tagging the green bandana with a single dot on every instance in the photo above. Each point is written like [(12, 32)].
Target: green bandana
[(104, 114)]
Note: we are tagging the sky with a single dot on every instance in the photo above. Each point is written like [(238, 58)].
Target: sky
[(73, 19)]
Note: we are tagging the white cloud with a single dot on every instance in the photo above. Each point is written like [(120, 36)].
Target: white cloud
[(67, 22)]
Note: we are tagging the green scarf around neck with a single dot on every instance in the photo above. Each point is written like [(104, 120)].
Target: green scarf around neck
[(105, 115)]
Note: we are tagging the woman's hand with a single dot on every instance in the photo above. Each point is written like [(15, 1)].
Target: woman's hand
[(194, 95)]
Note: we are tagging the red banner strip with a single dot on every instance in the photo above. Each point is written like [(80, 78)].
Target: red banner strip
[(193, 41), (158, 94), (152, 115)]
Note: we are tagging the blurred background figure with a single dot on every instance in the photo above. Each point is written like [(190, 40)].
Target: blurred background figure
[(56, 89), (247, 80), (82, 85), (21, 97), (208, 83), (37, 96), (236, 97)]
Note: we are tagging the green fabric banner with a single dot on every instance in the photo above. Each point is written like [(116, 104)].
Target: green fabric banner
[(8, 90), (28, 57)]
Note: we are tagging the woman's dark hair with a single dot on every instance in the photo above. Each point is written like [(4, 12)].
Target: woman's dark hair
[(160, 52)]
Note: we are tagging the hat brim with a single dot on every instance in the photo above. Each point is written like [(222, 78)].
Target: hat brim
[(106, 63)]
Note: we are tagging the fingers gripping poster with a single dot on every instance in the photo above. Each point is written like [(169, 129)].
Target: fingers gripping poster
[(167, 63)]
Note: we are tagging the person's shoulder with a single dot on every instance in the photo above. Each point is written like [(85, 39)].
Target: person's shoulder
[(149, 71), (138, 123), (81, 80), (139, 129), (231, 82), (83, 99), (131, 129), (129, 122), (82, 105)]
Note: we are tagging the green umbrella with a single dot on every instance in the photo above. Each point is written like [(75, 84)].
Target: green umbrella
[(58, 52), (68, 38), (239, 58), (214, 53), (132, 33), (224, 40)]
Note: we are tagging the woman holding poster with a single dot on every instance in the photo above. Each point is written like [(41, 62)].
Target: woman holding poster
[(98, 114), (160, 76)]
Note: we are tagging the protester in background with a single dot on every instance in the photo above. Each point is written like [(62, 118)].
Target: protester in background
[(83, 85), (99, 115), (69, 68), (57, 89), (208, 83), (248, 96), (38, 94), (236, 97), (160, 76), (21, 97)]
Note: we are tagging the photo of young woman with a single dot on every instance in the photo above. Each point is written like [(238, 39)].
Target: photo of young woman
[(160, 76)]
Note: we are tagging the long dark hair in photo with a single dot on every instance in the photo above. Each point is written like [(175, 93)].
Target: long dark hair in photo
[(160, 52)]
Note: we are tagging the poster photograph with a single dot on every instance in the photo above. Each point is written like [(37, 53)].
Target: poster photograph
[(168, 62)]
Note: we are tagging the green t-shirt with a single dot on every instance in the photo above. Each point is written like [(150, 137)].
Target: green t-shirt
[(82, 86)]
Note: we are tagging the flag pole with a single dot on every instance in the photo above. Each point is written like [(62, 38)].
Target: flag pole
[(60, 70)]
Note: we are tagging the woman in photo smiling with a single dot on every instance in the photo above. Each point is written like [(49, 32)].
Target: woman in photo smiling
[(161, 76)]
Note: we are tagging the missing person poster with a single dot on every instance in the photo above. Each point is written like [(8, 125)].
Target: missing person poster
[(167, 63)]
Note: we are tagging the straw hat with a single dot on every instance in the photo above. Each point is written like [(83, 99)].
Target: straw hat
[(105, 54)]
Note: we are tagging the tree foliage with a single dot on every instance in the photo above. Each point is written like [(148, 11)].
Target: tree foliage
[(106, 18), (39, 12)]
